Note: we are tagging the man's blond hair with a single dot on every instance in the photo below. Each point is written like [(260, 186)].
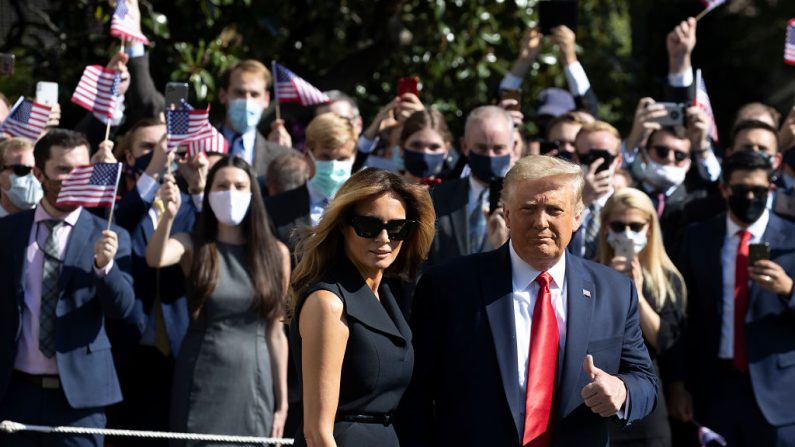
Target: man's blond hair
[(329, 130)]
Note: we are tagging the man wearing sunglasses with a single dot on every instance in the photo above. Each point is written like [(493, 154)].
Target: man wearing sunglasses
[(19, 188), (739, 352)]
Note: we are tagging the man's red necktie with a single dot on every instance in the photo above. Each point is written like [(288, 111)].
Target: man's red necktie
[(740, 360), (541, 366)]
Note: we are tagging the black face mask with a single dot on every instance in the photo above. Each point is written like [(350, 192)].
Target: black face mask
[(747, 210), (140, 165)]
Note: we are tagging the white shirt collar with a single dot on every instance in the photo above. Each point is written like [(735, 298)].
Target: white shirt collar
[(41, 215), (757, 229), (523, 275), (475, 188)]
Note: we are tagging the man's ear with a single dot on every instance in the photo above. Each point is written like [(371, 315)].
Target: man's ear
[(464, 148), (578, 218), (724, 190), (310, 160), (222, 96), (128, 156), (38, 174)]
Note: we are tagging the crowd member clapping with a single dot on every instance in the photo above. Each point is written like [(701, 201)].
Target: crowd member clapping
[(351, 341), (238, 280), (630, 241)]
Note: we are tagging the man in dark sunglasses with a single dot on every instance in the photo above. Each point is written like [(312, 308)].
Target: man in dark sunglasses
[(19, 188), (737, 268)]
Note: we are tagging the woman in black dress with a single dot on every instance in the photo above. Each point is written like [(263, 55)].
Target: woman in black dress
[(352, 344), (630, 241)]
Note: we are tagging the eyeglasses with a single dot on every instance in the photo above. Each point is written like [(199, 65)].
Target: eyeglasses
[(663, 151), (743, 190), (19, 170), (620, 227), (370, 227)]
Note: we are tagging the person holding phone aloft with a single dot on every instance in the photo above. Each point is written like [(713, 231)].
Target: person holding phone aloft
[(630, 241)]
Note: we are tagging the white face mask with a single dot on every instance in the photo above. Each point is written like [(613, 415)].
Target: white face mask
[(25, 191), (230, 207), (663, 176), (638, 239)]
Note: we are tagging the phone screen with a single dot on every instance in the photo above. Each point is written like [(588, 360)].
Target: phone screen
[(757, 252), (552, 13), (516, 95), (47, 93), (594, 154)]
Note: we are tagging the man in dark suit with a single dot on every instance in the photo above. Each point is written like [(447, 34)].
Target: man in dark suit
[(527, 345), (741, 316), (61, 274), (331, 149), (462, 204), (244, 92)]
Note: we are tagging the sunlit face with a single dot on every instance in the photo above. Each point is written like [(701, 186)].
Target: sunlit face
[(758, 140), (564, 134), (627, 218), (144, 141), (668, 150), (230, 178), (542, 216), (491, 136), (245, 85), (427, 141), (21, 156), (373, 255)]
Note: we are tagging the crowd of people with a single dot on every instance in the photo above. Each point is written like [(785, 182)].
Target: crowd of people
[(394, 285)]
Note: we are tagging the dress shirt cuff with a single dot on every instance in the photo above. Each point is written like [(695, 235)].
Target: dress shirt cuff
[(366, 145), (118, 114), (709, 168), (623, 413), (136, 49), (577, 79), (103, 272), (684, 79), (147, 187), (197, 200), (510, 82)]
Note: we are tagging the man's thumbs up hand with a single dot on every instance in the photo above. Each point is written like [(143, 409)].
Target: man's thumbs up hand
[(606, 394)]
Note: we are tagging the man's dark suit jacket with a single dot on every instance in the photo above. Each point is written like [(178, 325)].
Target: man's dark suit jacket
[(83, 350), (769, 324), (452, 221), (287, 211), (465, 390)]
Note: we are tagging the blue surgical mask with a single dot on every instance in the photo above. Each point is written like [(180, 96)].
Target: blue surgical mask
[(423, 164), (330, 175), (25, 191), (485, 168), (243, 114)]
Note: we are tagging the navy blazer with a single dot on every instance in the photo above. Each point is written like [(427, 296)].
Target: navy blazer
[(465, 390), (83, 349), (770, 322)]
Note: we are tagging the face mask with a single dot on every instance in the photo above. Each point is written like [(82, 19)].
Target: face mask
[(330, 175), (140, 165), (25, 191), (397, 159), (485, 168), (243, 114), (663, 176), (638, 239), (422, 165), (747, 210), (230, 207)]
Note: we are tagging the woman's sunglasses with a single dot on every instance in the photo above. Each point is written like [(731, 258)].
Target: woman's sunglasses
[(19, 170), (370, 227), (620, 227)]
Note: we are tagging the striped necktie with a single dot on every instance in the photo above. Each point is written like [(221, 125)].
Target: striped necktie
[(50, 274)]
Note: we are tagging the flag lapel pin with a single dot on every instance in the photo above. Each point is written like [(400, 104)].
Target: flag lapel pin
[(586, 293)]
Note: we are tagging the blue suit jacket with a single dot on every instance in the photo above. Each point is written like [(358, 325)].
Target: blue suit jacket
[(465, 390), (83, 350), (770, 322)]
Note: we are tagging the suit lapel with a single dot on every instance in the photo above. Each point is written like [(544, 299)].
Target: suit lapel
[(361, 304), (19, 243), (713, 267), (774, 236), (579, 308), (497, 293), (459, 217), (79, 242)]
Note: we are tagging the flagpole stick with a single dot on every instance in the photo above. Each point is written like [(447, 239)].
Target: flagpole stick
[(122, 44), (702, 14), (276, 91), (116, 190)]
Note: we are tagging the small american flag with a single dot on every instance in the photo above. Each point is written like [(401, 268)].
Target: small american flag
[(90, 185), (292, 88), (789, 45), (187, 125), (26, 119), (123, 26), (97, 90), (215, 143), (702, 101), (712, 4)]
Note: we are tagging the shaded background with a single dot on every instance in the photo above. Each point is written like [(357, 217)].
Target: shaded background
[(459, 49)]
